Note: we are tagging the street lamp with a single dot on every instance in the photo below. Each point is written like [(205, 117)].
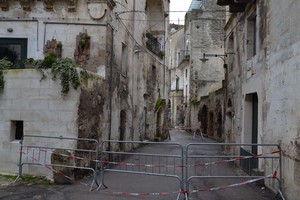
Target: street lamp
[(222, 56)]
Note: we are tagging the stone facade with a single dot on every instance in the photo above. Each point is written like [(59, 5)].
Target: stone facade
[(261, 81), (204, 35), (177, 56), (106, 39)]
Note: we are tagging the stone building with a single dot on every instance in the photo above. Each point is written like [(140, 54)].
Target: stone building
[(262, 101), (119, 47), (204, 34), (177, 56)]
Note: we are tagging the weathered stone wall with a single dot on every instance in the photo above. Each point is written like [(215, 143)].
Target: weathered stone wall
[(176, 97), (281, 119), (271, 73), (114, 97), (209, 112), (206, 36), (43, 111)]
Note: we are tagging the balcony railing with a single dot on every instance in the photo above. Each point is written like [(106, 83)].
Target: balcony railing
[(184, 56), (153, 45)]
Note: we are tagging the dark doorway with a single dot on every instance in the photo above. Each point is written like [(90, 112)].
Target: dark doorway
[(202, 117), (122, 128), (211, 124), (250, 132)]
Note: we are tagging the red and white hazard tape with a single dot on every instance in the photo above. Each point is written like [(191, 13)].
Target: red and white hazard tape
[(274, 176), (161, 166), (47, 166), (61, 154), (234, 159), (139, 194), (188, 191)]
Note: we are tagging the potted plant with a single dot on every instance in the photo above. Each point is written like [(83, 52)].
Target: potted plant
[(29, 63)]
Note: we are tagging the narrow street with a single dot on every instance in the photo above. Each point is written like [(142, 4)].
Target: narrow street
[(159, 187)]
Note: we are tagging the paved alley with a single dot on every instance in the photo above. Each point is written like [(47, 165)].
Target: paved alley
[(120, 185)]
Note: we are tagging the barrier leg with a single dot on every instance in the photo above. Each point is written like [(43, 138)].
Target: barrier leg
[(102, 182)]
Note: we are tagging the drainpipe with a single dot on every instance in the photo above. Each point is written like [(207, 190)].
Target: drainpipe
[(110, 85)]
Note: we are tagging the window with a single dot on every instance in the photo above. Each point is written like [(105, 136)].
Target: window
[(186, 72), (15, 50), (177, 83), (153, 73), (17, 130), (124, 60), (186, 93), (251, 35)]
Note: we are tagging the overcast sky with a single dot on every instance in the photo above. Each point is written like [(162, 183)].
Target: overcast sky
[(178, 5)]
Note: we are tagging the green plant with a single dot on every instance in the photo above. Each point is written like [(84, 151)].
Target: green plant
[(161, 54), (66, 69), (44, 64), (187, 57), (4, 64), (82, 42), (29, 60), (59, 45), (87, 37), (9, 176), (48, 61), (158, 103)]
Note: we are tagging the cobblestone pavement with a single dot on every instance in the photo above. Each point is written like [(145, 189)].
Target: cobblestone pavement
[(132, 183)]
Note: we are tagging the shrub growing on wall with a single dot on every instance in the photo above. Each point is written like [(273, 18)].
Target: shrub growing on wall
[(4, 64)]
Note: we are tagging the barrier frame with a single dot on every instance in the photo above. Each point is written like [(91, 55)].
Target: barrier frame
[(22, 146), (279, 158), (180, 156)]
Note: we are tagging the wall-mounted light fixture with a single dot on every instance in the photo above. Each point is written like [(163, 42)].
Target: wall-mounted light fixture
[(222, 56)]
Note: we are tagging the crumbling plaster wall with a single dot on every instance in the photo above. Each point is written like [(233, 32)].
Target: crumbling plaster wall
[(272, 73), (281, 116)]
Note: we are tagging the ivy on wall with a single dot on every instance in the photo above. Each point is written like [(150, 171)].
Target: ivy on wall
[(64, 68), (4, 64)]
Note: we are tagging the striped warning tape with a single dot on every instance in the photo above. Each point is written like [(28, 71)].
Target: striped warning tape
[(61, 154), (274, 176), (161, 166), (139, 194), (47, 166), (235, 159), (188, 191)]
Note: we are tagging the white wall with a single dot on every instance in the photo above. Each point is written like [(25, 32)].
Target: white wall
[(42, 109)]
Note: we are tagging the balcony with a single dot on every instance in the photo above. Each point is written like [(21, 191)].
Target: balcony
[(234, 5), (184, 56), (153, 45)]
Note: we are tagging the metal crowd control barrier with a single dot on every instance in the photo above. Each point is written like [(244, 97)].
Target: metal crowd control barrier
[(207, 161), (156, 162), (37, 150)]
